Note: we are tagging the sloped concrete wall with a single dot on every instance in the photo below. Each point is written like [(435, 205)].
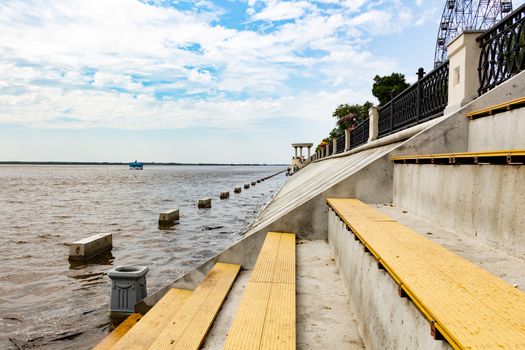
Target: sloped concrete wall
[(300, 205)]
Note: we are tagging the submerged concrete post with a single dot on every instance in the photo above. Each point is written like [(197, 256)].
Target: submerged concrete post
[(91, 246), (237, 190), (373, 115), (224, 195), (463, 82), (168, 217), (347, 139), (204, 203), (246, 186)]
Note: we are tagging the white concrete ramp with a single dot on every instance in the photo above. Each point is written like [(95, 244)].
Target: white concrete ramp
[(299, 206)]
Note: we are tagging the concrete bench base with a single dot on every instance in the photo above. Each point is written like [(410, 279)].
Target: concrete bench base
[(224, 195)]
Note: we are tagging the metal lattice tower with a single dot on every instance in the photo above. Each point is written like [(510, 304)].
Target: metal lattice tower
[(460, 15)]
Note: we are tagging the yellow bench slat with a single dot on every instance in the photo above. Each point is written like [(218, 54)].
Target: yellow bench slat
[(118, 332), (502, 107), (188, 328), (144, 333), (279, 326), (247, 328), (473, 308), (516, 152), (266, 316)]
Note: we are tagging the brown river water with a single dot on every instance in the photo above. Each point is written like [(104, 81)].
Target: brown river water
[(46, 301)]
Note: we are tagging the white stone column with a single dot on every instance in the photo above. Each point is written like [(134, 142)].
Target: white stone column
[(463, 82), (347, 139), (301, 152), (295, 152), (373, 115), (334, 145), (309, 152)]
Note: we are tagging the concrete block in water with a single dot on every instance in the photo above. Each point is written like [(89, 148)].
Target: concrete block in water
[(246, 186), (128, 287), (224, 195), (91, 246), (253, 183), (204, 203), (237, 190), (168, 217), (258, 181)]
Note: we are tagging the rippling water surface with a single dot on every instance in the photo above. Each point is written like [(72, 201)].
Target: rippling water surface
[(46, 302)]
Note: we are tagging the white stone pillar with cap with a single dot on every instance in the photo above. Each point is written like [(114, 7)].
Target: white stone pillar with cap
[(463, 82), (300, 146)]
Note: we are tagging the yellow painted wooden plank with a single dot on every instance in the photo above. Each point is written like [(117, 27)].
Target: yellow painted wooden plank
[(144, 333), (279, 325), (284, 271), (265, 264), (247, 327), (440, 298), (266, 317), (188, 328), (496, 108), (350, 207), (118, 332), (516, 152), (473, 308)]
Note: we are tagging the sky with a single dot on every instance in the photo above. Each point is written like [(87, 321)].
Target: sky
[(225, 81)]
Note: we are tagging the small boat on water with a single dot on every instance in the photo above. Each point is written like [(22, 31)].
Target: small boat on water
[(136, 165)]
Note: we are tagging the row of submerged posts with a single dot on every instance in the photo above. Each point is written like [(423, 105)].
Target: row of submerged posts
[(128, 283), (478, 62)]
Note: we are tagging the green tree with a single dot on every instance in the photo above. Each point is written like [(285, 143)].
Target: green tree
[(345, 114), (387, 86)]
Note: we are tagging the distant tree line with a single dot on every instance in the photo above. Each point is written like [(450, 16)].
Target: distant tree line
[(350, 115)]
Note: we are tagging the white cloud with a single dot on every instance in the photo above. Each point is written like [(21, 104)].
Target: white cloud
[(282, 10), (129, 64)]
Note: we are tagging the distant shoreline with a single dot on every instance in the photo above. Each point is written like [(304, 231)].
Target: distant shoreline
[(121, 163)]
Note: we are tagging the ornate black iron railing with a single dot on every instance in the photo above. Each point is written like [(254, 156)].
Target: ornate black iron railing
[(340, 144), (360, 134), (502, 51), (422, 101)]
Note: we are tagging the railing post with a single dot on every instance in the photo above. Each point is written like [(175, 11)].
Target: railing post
[(347, 139), (334, 146), (391, 111), (463, 81), (420, 73), (373, 124)]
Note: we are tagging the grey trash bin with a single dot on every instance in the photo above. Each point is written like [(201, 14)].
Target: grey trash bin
[(128, 286)]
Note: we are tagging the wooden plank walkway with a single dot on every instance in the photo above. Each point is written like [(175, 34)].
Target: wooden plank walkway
[(153, 322), (468, 306), (499, 108), (266, 316), (118, 333), (187, 329)]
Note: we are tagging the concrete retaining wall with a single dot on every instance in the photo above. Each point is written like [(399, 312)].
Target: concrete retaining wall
[(386, 321), (483, 201), (498, 132)]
